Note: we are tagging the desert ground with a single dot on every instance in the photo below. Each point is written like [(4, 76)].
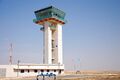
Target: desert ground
[(70, 75)]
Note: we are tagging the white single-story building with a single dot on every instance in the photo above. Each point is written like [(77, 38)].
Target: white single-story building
[(23, 70)]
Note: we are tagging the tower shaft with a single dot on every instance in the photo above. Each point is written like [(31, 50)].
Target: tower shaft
[(52, 20), (47, 43), (52, 44), (58, 44)]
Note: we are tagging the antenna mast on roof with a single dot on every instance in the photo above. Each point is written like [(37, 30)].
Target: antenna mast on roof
[(10, 54)]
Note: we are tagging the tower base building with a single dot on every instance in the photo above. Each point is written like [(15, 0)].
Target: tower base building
[(27, 70)]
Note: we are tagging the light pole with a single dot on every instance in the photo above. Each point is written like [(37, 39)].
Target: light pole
[(18, 68)]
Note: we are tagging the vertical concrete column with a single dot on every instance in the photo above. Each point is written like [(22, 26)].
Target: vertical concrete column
[(47, 43), (58, 40)]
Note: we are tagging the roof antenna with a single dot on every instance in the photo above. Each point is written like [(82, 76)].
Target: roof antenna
[(10, 54)]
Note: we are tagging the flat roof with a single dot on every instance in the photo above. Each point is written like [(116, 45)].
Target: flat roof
[(50, 7)]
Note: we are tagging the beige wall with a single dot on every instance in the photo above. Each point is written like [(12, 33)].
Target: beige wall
[(11, 70)]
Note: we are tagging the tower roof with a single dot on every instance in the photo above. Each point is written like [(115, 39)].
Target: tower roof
[(49, 14)]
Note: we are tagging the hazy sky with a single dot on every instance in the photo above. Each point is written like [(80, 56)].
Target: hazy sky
[(91, 36)]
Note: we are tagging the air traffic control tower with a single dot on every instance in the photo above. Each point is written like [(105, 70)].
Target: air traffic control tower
[(52, 20)]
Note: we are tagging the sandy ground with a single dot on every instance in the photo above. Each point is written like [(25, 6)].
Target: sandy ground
[(77, 76)]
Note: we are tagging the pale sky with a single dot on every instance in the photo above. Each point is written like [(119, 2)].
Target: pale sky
[(91, 36)]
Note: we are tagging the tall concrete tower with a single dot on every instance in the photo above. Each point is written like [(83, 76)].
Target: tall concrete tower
[(52, 20)]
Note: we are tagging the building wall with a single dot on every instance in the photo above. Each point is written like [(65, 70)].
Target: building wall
[(9, 71), (2, 72), (26, 73), (28, 70)]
